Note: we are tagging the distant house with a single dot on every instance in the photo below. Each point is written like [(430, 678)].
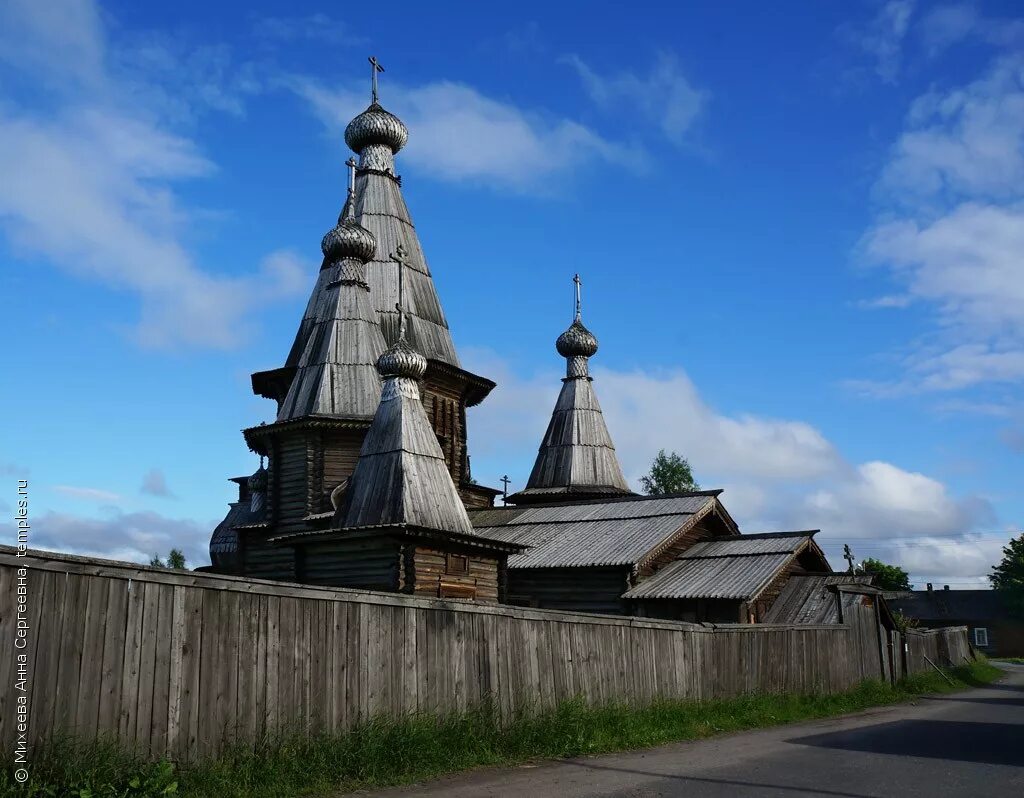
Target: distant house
[(992, 628)]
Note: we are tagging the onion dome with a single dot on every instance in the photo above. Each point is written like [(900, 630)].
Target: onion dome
[(401, 360), (348, 240), (258, 481), (376, 126), (577, 341)]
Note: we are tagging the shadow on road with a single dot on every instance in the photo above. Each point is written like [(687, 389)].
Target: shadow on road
[(755, 787), (989, 743), (1009, 702)]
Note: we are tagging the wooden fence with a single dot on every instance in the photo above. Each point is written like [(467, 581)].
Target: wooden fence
[(180, 663), (945, 647)]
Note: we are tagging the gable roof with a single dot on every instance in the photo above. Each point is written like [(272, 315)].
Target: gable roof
[(623, 531), (811, 599), (727, 568)]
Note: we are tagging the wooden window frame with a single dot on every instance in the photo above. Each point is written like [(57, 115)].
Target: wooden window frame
[(456, 564), (979, 637)]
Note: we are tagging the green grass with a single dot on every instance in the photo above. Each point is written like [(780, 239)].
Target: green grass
[(1016, 660), (393, 752)]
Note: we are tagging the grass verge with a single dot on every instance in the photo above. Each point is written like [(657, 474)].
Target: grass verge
[(393, 752)]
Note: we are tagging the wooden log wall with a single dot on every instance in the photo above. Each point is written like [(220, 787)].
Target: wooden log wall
[(182, 663)]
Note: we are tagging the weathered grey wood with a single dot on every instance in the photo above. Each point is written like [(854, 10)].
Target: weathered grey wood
[(70, 652), (180, 668), (8, 663)]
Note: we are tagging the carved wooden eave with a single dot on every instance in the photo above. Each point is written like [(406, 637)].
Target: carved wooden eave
[(405, 532), (258, 436), (273, 383), (475, 388)]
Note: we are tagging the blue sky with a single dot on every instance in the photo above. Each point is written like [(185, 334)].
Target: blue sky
[(799, 227)]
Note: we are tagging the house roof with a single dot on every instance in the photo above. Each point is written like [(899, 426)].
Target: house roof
[(949, 605), (623, 531), (729, 568), (811, 599)]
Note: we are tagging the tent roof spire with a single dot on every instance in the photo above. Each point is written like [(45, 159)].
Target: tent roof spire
[(336, 372), (577, 456), (401, 478)]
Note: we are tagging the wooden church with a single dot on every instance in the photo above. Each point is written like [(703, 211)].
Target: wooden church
[(366, 481)]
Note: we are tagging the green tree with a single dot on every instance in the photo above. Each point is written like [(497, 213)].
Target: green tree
[(886, 577), (175, 560), (1008, 576), (669, 473)]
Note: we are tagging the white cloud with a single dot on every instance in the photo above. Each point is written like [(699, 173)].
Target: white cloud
[(664, 96), (89, 184), (883, 36), (777, 473), (948, 24), (155, 484), (134, 537), (953, 232), (962, 143), (458, 134), (57, 40), (91, 494), (317, 27)]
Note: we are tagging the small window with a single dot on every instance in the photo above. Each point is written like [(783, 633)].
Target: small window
[(981, 637), (457, 564)]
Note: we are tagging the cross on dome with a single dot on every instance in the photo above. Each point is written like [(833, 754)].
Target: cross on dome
[(375, 67)]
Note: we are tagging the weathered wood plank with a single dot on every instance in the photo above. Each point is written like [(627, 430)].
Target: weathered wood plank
[(163, 652)]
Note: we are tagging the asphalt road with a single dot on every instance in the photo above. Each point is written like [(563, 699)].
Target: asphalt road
[(965, 744)]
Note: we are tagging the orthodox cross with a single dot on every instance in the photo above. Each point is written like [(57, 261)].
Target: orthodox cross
[(848, 555), (351, 164), (576, 280), (399, 258), (504, 495), (375, 68)]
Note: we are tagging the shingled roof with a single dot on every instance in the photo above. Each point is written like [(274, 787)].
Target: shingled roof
[(729, 568), (336, 374), (811, 598), (622, 531), (576, 456)]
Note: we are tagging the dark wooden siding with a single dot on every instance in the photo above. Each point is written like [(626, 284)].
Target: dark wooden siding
[(367, 563), (692, 610), (597, 589)]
